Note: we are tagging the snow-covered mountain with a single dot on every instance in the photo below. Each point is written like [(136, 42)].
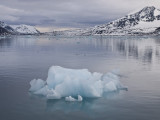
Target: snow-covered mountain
[(145, 21), (17, 29), (6, 29), (25, 29)]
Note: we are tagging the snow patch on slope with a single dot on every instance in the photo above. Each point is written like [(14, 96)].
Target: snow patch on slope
[(25, 29), (156, 12), (147, 26)]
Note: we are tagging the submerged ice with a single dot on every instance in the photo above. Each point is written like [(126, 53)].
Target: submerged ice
[(70, 83)]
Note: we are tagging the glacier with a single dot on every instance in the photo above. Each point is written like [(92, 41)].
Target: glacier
[(70, 83)]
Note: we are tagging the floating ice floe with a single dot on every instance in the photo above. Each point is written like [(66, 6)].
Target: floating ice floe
[(71, 99), (69, 83)]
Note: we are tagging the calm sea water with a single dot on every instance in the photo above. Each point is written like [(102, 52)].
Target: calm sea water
[(137, 59)]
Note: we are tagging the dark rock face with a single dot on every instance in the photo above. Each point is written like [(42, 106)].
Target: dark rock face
[(147, 14), (5, 29), (158, 17), (157, 31)]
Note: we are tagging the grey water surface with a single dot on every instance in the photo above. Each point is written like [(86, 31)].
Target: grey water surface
[(23, 58)]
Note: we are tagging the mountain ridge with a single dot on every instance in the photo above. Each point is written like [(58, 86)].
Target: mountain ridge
[(17, 29), (144, 22), (25, 29)]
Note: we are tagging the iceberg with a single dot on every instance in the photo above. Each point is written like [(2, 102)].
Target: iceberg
[(69, 83)]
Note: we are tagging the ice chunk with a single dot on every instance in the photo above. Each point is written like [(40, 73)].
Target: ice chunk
[(63, 82), (36, 85), (80, 98), (71, 99), (110, 87), (58, 75), (43, 91), (53, 95)]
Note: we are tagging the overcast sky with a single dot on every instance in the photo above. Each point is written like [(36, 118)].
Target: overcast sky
[(48, 15)]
